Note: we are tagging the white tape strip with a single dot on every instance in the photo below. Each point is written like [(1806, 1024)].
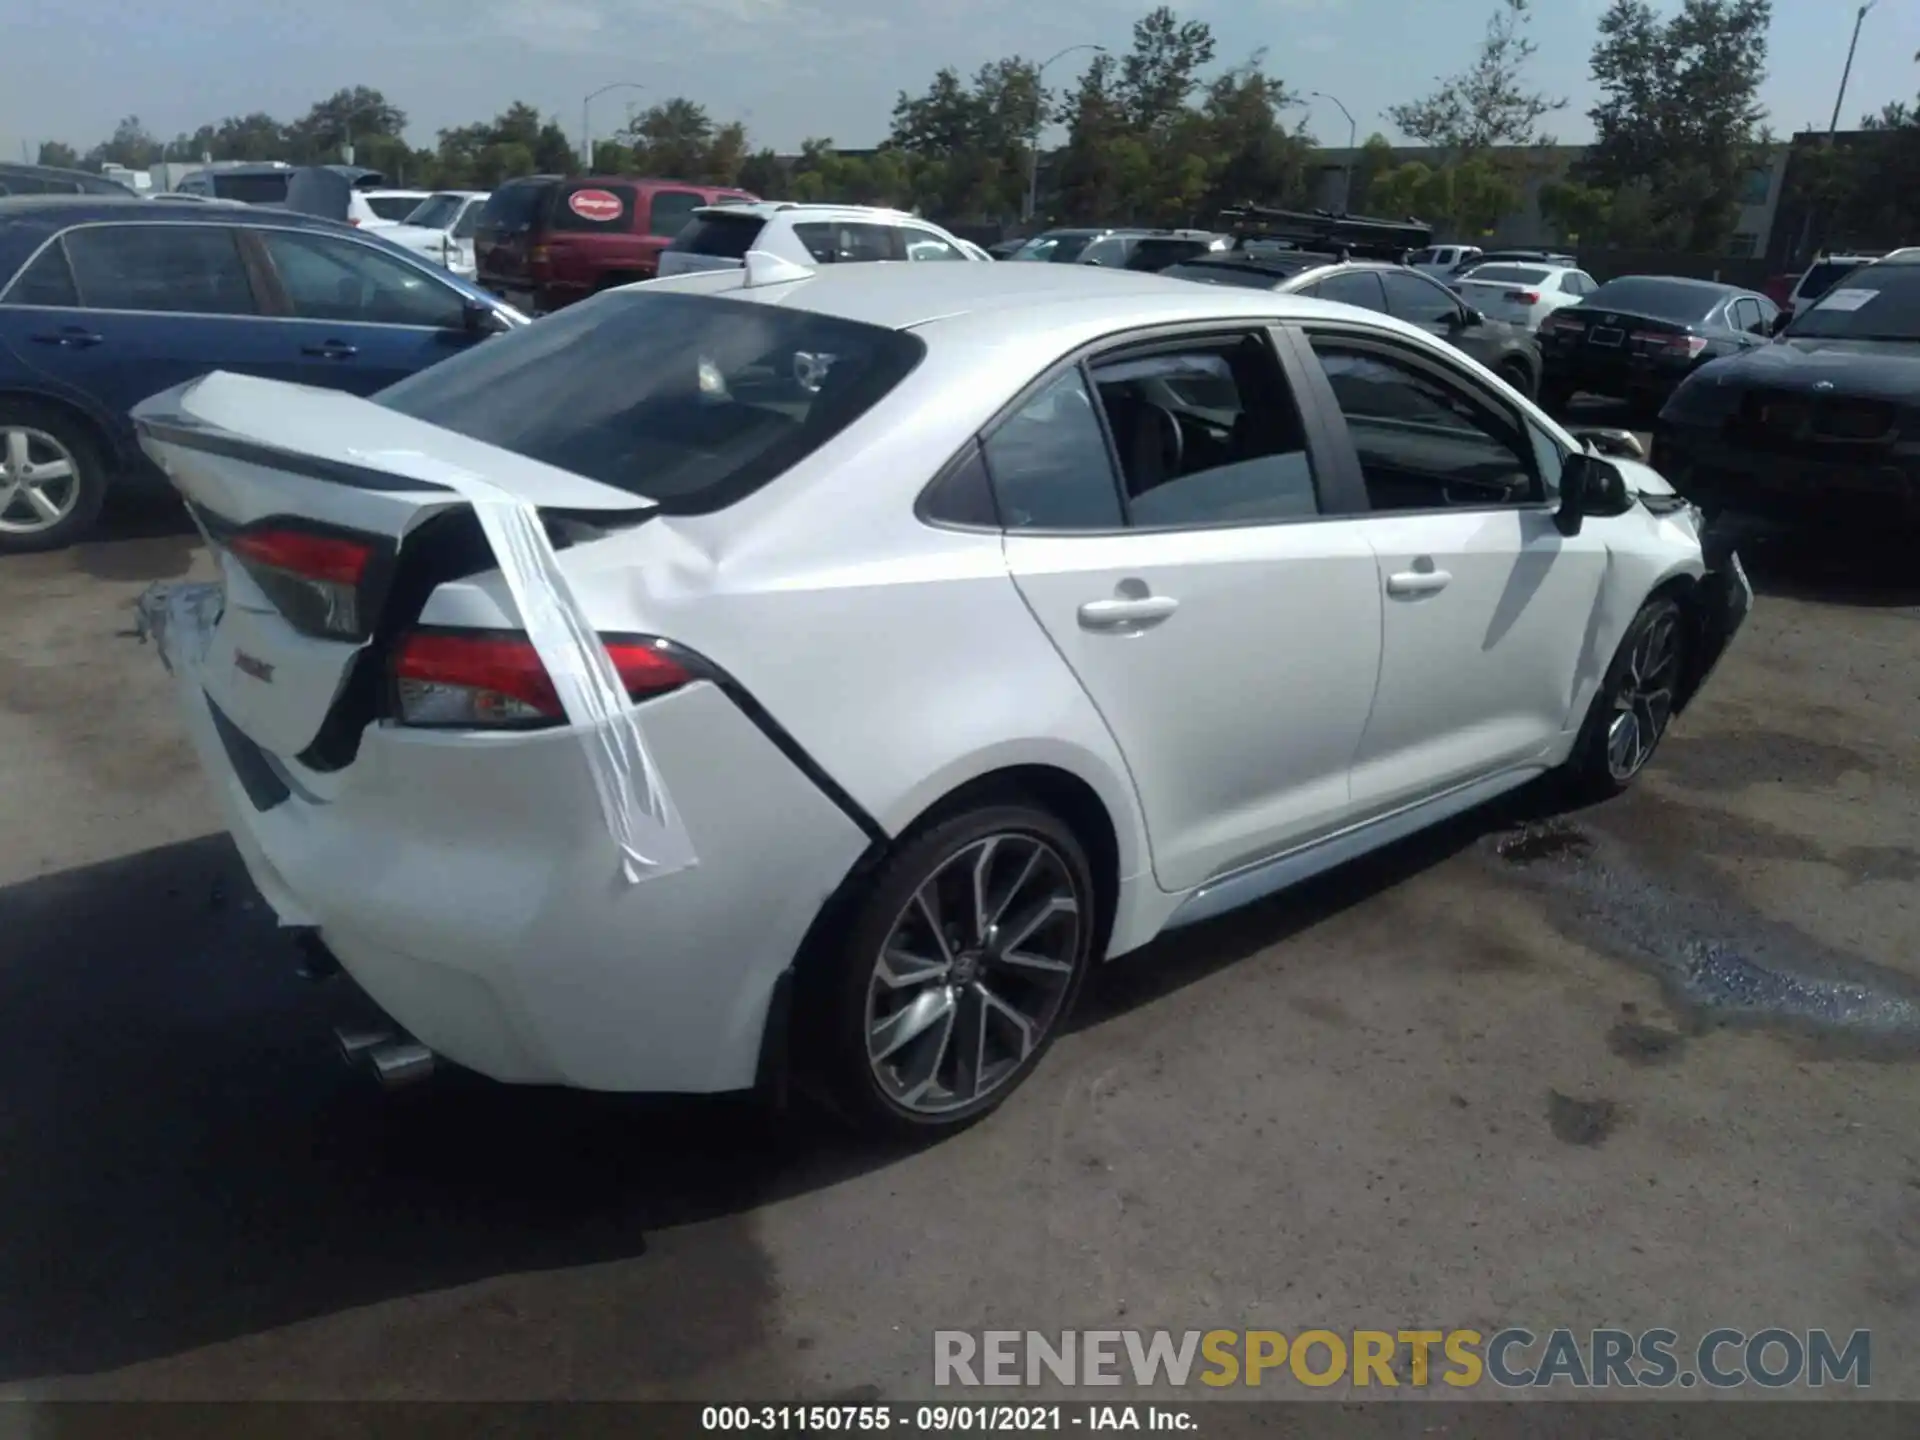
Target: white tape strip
[(647, 831)]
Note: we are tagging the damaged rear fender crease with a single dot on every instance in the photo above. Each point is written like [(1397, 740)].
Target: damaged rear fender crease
[(648, 835)]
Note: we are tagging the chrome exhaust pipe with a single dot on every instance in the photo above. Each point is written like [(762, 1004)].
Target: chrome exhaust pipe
[(402, 1062), (354, 1044), (395, 1060)]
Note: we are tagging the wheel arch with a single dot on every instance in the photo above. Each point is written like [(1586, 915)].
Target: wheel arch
[(112, 447)]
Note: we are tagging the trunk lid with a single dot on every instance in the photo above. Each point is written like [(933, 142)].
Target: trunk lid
[(280, 475)]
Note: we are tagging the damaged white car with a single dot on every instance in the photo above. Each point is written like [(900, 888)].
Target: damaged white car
[(772, 668)]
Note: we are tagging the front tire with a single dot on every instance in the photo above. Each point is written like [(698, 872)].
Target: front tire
[(1634, 706), (53, 478), (1517, 374), (958, 970)]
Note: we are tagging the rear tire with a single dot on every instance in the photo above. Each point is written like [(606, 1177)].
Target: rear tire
[(1634, 706), (917, 1031), (53, 478)]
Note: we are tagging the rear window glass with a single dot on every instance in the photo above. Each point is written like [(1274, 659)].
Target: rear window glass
[(393, 207), (1058, 249), (513, 207), (47, 281), (690, 400), (436, 212), (1506, 274), (1824, 276), (252, 189), (727, 237), (593, 207), (1661, 299), (670, 210)]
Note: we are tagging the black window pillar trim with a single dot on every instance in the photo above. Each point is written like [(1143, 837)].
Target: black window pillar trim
[(1340, 486)]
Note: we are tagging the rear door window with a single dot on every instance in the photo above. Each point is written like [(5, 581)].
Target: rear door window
[(669, 211), (46, 281), (693, 401), (593, 207), (925, 245), (1356, 287), (724, 237), (177, 269), (832, 242), (327, 278), (1418, 300)]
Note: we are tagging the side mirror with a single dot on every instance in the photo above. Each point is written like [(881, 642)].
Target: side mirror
[(483, 319), (1469, 317), (1589, 486)]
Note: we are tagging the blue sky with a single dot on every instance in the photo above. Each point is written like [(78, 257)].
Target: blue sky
[(794, 68)]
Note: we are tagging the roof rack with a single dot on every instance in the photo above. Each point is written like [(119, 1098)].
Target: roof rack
[(1345, 236)]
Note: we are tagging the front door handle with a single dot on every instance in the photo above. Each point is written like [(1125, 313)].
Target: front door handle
[(1123, 614), (1418, 582), (331, 350), (73, 337)]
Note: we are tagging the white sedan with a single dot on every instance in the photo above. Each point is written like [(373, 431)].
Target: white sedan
[(769, 667), (1523, 295)]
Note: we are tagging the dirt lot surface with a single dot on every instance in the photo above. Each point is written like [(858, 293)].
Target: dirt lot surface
[(1648, 1065)]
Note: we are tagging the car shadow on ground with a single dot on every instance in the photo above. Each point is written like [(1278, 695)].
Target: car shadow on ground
[(1185, 957), (140, 537), (187, 1160)]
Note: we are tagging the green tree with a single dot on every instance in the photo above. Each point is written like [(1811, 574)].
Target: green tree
[(55, 152), (673, 140), (353, 116), (1679, 118), (762, 174), (1489, 103), (1162, 70), (132, 145)]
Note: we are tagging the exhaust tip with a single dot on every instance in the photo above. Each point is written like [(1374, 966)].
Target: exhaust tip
[(401, 1062), (354, 1044)]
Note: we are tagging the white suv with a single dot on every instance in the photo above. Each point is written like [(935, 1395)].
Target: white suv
[(719, 236)]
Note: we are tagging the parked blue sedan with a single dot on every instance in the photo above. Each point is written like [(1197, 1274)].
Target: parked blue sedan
[(104, 302)]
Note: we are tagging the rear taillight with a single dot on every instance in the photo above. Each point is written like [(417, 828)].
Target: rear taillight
[(1683, 346), (316, 580), (491, 680), (1568, 323), (352, 221), (1524, 297)]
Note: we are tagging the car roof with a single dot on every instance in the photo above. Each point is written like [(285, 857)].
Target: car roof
[(989, 300), (47, 214), (1686, 280), (768, 209)]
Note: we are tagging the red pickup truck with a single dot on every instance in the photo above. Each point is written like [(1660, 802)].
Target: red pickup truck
[(545, 241)]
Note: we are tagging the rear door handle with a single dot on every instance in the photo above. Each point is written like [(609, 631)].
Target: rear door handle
[(331, 350), (71, 336), (1418, 582), (1120, 614)]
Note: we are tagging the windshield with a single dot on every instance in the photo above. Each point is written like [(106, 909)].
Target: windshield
[(436, 212), (1878, 302), (1661, 299), (693, 401), (1057, 249)]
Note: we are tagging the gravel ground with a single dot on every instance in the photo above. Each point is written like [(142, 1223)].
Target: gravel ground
[(1651, 1064)]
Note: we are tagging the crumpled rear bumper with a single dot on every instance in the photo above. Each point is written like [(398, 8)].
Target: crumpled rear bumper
[(1724, 599)]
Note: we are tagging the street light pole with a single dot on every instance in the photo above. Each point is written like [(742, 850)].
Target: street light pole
[(1353, 137), (1859, 19), (1039, 107), (586, 120)]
